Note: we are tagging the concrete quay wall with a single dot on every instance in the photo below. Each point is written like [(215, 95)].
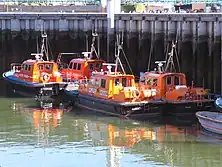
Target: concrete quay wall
[(183, 25)]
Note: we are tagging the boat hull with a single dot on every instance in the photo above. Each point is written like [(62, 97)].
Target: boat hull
[(211, 121), (128, 110), (188, 107), (40, 91)]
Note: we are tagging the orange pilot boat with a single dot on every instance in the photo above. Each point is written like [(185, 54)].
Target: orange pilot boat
[(172, 88), (81, 66), (114, 93), (36, 77)]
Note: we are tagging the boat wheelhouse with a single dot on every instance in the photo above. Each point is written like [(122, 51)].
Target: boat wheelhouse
[(81, 65), (80, 68)]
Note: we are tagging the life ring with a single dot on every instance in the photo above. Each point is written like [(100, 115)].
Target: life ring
[(45, 77), (136, 93)]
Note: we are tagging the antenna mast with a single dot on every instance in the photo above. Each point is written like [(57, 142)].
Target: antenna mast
[(44, 47), (170, 66), (119, 42), (93, 49)]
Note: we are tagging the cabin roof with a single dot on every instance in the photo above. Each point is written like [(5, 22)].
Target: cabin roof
[(113, 75), (157, 75), (32, 61), (82, 60)]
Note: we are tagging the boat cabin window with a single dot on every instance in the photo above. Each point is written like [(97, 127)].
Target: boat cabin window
[(26, 67), (124, 83), (29, 67), (91, 67), (168, 80), (99, 65), (95, 66), (151, 81), (116, 82), (23, 66), (74, 66), (41, 67), (70, 65), (97, 82), (103, 83), (155, 82), (48, 67), (79, 66), (176, 80)]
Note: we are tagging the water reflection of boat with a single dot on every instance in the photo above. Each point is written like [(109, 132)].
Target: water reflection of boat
[(209, 137), (159, 142), (39, 116), (43, 119), (148, 143)]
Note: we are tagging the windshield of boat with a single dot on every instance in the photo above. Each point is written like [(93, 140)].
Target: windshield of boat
[(45, 67), (151, 81), (124, 81), (92, 66)]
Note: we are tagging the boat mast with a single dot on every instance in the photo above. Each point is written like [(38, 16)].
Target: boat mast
[(170, 66), (93, 49), (119, 43), (43, 46)]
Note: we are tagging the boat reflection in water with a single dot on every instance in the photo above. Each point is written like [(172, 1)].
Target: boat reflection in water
[(43, 118), (122, 142), (209, 137)]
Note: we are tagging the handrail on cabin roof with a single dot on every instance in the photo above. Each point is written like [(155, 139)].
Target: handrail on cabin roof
[(68, 53)]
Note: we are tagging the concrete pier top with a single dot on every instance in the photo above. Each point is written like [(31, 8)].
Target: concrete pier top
[(185, 25), (132, 16)]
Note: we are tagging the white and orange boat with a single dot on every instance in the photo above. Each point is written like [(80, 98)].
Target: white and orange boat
[(173, 89), (36, 77), (114, 93)]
